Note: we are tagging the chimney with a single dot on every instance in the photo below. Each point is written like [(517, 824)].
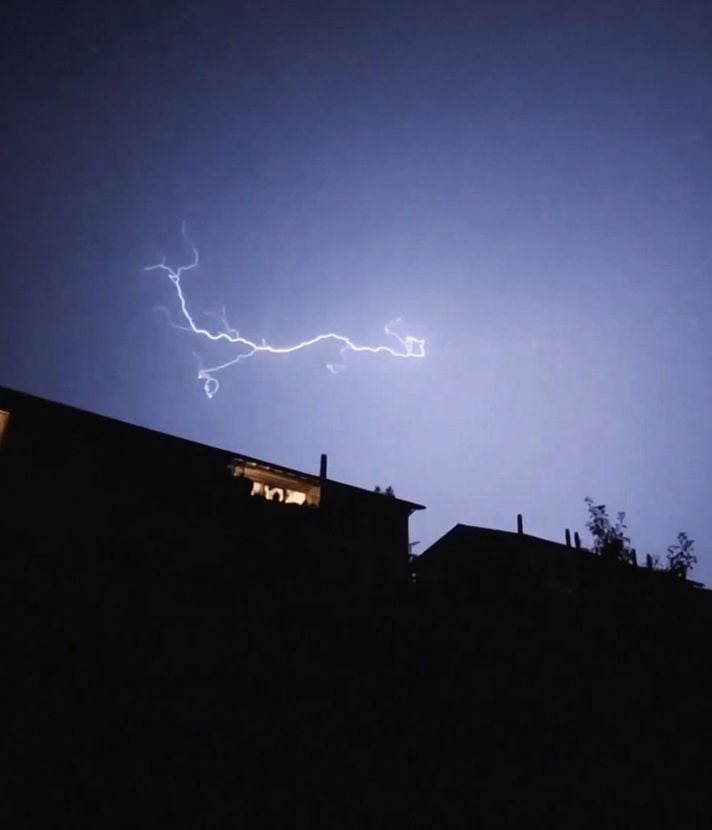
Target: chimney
[(322, 467), (568, 538), (520, 523), (577, 540)]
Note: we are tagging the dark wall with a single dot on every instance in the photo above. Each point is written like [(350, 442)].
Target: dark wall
[(372, 532), (483, 563), (85, 486)]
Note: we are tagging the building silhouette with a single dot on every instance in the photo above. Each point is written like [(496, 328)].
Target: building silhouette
[(87, 484), (93, 488), (183, 646), (483, 562)]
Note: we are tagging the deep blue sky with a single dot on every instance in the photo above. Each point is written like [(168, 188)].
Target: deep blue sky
[(528, 184)]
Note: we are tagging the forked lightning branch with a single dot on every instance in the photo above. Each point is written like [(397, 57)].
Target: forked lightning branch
[(403, 346)]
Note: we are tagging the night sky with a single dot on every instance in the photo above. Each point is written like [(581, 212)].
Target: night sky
[(528, 185)]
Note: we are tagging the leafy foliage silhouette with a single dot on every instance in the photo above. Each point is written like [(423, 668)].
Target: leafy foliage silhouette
[(609, 539), (680, 556)]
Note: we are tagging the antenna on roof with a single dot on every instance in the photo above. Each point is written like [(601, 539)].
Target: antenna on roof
[(520, 523)]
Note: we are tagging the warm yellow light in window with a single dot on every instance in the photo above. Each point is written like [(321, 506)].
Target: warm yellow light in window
[(278, 485), (282, 494), (4, 418), (295, 497)]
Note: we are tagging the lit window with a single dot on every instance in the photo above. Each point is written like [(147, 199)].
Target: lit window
[(278, 493), (273, 493), (295, 497), (278, 485), (4, 418)]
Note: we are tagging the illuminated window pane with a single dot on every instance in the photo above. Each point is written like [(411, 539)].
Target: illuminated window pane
[(4, 418), (273, 493), (295, 497), (278, 485)]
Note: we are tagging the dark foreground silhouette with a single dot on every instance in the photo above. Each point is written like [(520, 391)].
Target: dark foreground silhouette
[(182, 647), (207, 700)]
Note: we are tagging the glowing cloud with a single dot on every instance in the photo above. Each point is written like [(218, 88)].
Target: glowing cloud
[(408, 347)]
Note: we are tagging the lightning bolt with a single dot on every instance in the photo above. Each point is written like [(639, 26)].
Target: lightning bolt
[(408, 347)]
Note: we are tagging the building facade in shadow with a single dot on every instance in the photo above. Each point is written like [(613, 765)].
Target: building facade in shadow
[(491, 564), (83, 487)]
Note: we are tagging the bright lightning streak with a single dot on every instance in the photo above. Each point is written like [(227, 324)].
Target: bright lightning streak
[(410, 347)]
